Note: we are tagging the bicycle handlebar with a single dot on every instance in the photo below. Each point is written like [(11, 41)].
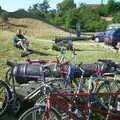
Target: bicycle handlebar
[(61, 57)]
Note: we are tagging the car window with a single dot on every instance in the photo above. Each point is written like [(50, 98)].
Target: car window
[(117, 34), (109, 32)]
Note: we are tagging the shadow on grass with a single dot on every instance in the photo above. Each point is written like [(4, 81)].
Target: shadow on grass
[(38, 52), (29, 52), (88, 49)]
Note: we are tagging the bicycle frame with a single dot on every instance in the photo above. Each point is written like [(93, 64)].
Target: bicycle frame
[(58, 98), (59, 59)]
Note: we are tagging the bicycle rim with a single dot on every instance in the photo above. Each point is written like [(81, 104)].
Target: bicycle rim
[(107, 102), (8, 76), (39, 113), (4, 97)]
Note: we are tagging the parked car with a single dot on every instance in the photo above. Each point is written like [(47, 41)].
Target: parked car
[(99, 37), (112, 26), (112, 37)]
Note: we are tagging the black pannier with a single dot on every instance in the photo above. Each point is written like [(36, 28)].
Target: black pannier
[(106, 66), (27, 72), (89, 69), (109, 66)]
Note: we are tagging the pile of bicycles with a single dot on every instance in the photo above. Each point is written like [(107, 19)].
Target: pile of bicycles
[(60, 90)]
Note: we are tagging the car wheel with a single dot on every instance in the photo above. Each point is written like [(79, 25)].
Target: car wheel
[(118, 45), (97, 39)]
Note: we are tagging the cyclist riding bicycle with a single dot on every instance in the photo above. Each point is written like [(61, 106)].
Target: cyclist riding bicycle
[(20, 41)]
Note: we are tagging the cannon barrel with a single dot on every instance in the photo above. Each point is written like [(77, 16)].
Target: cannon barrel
[(73, 38)]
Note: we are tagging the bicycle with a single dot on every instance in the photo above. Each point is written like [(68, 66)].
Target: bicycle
[(92, 101), (34, 95), (4, 97), (67, 76), (50, 64), (11, 102), (103, 84), (62, 107)]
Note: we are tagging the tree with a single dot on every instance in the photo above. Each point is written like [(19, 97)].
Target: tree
[(51, 15), (71, 19), (40, 9), (117, 7), (66, 5), (111, 6), (116, 18), (63, 8), (102, 10), (34, 10), (44, 6), (67, 14)]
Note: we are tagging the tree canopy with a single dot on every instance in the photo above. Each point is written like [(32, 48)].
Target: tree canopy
[(68, 15)]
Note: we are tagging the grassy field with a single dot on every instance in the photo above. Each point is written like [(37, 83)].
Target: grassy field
[(87, 52)]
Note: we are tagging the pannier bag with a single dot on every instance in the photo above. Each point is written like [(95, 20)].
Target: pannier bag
[(106, 66), (27, 72), (109, 66)]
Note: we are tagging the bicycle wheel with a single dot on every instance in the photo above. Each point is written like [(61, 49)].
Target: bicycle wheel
[(8, 74), (40, 113), (110, 101), (108, 86), (4, 97), (48, 87), (107, 103)]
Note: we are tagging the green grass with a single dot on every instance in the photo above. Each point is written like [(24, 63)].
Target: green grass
[(1, 104), (86, 52), (90, 53)]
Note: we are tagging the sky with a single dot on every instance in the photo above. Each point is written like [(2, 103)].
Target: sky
[(13, 5)]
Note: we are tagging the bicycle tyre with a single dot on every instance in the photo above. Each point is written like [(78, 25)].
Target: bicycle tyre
[(104, 101), (109, 86), (8, 76), (5, 96), (31, 114)]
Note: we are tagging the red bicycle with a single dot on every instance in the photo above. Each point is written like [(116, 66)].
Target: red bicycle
[(67, 105)]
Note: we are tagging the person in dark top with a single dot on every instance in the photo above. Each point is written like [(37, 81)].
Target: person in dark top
[(20, 41)]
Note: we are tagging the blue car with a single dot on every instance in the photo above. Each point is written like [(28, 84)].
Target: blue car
[(99, 37), (112, 38)]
